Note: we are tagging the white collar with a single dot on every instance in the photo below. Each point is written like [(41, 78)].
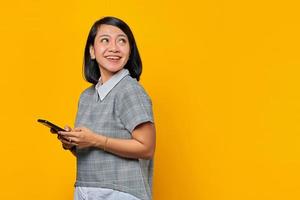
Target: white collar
[(104, 89)]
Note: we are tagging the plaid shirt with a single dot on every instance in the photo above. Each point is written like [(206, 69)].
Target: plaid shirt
[(114, 109)]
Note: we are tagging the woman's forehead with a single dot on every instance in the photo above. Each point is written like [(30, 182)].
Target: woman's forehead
[(110, 30)]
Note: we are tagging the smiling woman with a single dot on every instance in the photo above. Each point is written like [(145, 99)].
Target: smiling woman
[(114, 135), (111, 50), (110, 27)]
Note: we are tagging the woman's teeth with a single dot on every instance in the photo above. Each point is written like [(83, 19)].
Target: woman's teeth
[(113, 57)]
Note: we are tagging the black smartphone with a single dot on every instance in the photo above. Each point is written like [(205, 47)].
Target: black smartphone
[(51, 125)]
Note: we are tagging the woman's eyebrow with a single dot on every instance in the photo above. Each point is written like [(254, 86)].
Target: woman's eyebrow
[(121, 35), (103, 35), (106, 35)]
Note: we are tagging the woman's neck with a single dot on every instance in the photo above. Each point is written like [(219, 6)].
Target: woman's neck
[(105, 75)]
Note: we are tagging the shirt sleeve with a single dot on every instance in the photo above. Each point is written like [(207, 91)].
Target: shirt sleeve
[(134, 107)]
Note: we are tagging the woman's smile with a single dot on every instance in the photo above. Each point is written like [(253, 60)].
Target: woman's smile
[(113, 58)]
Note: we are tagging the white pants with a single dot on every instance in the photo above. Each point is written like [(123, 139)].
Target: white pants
[(92, 193)]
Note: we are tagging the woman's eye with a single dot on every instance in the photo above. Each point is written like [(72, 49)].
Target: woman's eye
[(104, 40), (122, 41)]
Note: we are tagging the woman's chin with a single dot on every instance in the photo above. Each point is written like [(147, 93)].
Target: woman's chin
[(113, 69)]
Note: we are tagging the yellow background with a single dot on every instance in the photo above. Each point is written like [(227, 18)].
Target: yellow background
[(223, 77)]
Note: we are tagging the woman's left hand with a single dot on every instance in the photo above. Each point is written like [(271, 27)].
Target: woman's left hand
[(82, 137)]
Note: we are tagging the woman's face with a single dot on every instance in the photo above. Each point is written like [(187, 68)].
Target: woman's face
[(111, 49)]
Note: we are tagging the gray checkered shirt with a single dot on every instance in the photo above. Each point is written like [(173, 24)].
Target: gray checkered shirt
[(119, 108)]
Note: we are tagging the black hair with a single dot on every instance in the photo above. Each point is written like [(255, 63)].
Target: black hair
[(90, 66)]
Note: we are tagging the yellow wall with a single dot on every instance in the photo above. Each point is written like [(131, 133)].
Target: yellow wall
[(224, 77)]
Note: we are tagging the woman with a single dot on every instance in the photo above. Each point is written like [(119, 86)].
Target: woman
[(114, 135)]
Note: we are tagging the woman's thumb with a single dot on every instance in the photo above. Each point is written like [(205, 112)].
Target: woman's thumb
[(67, 128)]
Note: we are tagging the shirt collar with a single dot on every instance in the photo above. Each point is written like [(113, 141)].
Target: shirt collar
[(104, 89)]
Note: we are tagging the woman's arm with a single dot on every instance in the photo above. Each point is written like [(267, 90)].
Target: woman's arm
[(142, 144)]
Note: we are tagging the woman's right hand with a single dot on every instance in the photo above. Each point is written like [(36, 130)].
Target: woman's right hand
[(65, 143)]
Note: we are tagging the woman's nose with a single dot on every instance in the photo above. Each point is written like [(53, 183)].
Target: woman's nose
[(113, 47)]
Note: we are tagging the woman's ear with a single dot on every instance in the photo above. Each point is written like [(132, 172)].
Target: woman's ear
[(92, 52)]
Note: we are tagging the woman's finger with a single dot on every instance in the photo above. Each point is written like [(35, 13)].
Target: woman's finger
[(67, 128), (64, 140), (73, 139), (71, 143), (65, 133), (69, 140), (78, 129)]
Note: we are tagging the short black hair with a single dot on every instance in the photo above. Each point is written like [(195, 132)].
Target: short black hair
[(90, 66)]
